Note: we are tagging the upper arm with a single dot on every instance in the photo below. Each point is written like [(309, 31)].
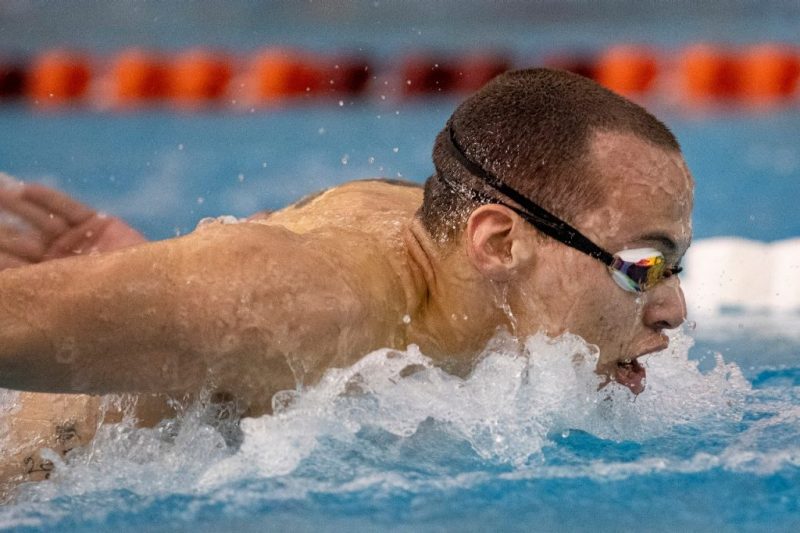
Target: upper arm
[(248, 305), (271, 309)]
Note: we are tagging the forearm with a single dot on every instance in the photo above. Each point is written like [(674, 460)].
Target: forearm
[(247, 307), (94, 324)]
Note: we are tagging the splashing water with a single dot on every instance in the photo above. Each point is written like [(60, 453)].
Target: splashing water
[(395, 422)]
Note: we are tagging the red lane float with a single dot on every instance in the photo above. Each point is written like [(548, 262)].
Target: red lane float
[(347, 75), (422, 74), (700, 73), (59, 77), (13, 78), (277, 74), (584, 64), (477, 69)]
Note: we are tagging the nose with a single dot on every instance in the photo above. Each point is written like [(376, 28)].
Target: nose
[(666, 305)]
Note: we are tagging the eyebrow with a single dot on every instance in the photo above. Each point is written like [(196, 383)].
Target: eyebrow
[(670, 246)]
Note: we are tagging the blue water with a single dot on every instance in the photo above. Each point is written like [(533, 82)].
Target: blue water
[(709, 446), (727, 466), (164, 171)]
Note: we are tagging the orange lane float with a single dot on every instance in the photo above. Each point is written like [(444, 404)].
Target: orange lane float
[(767, 73), (199, 77), (629, 70), (58, 77), (707, 72), (277, 74), (138, 77), (700, 73)]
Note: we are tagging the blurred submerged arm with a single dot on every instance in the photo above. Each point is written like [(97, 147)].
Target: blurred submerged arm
[(38, 223)]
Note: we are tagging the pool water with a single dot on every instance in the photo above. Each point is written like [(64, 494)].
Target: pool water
[(525, 442)]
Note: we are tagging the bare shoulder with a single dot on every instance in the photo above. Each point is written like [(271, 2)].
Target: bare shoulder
[(301, 301), (373, 206)]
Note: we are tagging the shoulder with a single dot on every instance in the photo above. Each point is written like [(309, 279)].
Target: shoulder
[(371, 206), (272, 258)]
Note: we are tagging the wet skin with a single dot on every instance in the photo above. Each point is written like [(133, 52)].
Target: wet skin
[(648, 203), (258, 307)]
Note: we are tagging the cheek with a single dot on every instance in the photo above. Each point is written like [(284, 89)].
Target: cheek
[(571, 293), (604, 315)]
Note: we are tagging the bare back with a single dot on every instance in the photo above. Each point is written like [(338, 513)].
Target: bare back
[(333, 266)]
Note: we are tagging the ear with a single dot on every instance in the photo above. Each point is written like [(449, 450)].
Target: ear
[(496, 242)]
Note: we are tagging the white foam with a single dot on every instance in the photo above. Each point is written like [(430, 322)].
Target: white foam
[(729, 273), (515, 405), (505, 410)]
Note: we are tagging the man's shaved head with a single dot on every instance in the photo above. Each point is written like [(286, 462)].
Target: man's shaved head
[(532, 129)]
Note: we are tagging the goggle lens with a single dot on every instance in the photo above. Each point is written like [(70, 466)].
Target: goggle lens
[(640, 269)]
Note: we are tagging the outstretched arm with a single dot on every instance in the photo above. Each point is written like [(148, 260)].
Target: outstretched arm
[(230, 303), (38, 223)]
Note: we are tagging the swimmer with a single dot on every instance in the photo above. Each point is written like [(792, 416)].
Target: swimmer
[(556, 206)]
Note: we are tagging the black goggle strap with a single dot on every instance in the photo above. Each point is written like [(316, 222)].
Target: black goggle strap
[(540, 218)]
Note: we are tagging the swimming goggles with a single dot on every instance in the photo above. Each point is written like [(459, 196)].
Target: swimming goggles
[(634, 270)]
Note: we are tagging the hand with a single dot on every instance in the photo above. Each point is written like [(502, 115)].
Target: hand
[(38, 223)]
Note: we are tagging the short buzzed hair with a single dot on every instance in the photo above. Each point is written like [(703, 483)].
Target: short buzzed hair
[(532, 129)]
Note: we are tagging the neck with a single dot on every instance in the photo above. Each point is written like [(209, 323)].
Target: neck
[(454, 310)]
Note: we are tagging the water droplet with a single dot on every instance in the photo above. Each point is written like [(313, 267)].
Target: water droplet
[(406, 319), (395, 149), (200, 200), (345, 159), (240, 177), (341, 103), (180, 146)]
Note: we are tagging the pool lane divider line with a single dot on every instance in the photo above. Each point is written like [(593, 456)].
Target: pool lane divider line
[(699, 75)]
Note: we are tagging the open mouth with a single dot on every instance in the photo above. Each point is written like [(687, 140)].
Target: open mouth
[(631, 374)]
